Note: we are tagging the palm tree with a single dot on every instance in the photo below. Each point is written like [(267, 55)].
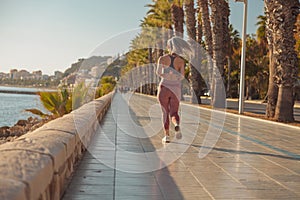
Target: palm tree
[(219, 20), (261, 35), (258, 58), (272, 93), (177, 14), (234, 46), (81, 94), (257, 65), (199, 31), (194, 77), (206, 25), (261, 30), (58, 103), (207, 33), (156, 27), (159, 14), (190, 18), (281, 24), (63, 101)]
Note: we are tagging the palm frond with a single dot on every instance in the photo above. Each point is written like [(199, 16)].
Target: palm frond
[(37, 112)]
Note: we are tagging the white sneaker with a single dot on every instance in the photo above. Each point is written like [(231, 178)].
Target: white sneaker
[(177, 128), (166, 139)]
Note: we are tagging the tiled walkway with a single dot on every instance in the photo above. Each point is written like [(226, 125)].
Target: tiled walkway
[(219, 157)]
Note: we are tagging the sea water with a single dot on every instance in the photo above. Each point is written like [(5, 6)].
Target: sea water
[(12, 106)]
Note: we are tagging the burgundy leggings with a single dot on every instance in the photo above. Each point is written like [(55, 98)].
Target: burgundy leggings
[(169, 98)]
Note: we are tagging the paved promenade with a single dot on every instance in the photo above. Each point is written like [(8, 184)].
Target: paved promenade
[(221, 156)]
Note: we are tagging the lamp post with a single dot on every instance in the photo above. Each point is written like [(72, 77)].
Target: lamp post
[(243, 58)]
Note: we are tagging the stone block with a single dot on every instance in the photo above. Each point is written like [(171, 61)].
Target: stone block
[(65, 124), (30, 167), (53, 143), (12, 189)]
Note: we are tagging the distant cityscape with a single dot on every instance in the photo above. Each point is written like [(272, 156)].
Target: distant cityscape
[(22, 74), (32, 79), (86, 70)]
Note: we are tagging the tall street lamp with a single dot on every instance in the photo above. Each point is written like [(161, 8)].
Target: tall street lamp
[(243, 58)]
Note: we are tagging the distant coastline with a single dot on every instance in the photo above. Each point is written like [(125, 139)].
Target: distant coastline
[(28, 87), (24, 90)]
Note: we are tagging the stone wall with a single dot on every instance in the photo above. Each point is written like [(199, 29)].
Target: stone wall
[(37, 164)]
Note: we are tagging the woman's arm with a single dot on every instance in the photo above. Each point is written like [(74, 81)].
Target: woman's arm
[(182, 71), (159, 70)]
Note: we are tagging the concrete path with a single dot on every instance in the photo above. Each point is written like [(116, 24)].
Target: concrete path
[(221, 156)]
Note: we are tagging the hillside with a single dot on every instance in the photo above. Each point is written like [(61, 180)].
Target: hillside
[(86, 64)]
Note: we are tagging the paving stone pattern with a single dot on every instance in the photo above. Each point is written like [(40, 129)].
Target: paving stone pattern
[(242, 158)]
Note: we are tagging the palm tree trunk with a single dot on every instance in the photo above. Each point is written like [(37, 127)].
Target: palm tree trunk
[(199, 32), (286, 59), (191, 31), (283, 16), (207, 32), (177, 17), (190, 18), (285, 104), (228, 76), (150, 73), (204, 11), (272, 93), (218, 11)]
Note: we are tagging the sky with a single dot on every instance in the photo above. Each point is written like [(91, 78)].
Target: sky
[(51, 35)]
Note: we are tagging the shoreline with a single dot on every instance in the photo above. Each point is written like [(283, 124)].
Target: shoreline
[(24, 90), (28, 87), (23, 126)]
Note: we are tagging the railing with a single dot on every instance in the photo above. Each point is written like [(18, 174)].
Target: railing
[(37, 165)]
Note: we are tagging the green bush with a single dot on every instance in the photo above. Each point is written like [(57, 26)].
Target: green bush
[(107, 84)]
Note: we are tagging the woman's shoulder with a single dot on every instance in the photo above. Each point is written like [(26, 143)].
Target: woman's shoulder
[(166, 56), (179, 59)]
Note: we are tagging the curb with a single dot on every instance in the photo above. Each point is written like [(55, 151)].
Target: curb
[(233, 114)]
